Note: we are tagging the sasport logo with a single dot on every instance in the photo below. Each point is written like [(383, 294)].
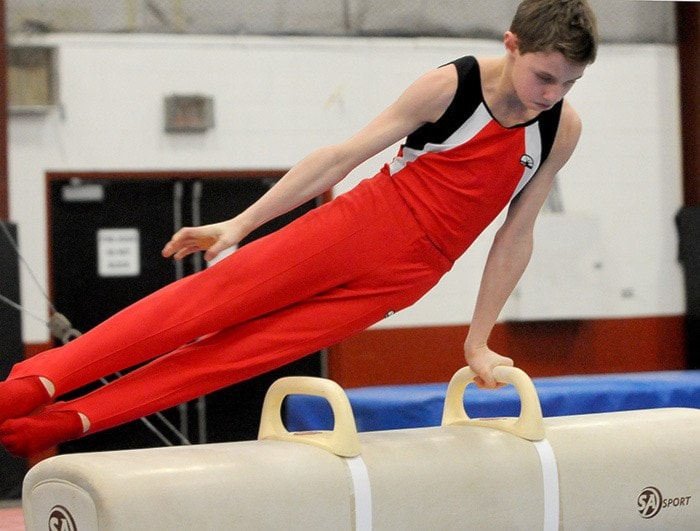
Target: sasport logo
[(650, 502), (60, 519)]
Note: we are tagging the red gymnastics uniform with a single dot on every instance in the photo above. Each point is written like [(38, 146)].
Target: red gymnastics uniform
[(340, 268)]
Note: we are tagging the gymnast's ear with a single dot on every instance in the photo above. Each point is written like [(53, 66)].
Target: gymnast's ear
[(510, 40)]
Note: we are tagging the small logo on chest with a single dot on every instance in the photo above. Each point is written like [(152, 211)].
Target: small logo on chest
[(527, 161)]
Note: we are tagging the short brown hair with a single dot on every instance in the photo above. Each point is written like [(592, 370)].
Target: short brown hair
[(565, 26)]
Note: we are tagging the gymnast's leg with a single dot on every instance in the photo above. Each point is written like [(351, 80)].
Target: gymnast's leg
[(307, 257), (161, 322), (21, 396), (224, 358)]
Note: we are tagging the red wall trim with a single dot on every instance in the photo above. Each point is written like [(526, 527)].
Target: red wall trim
[(542, 348), (32, 349)]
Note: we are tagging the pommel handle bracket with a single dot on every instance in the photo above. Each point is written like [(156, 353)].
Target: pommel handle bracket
[(529, 425), (342, 440)]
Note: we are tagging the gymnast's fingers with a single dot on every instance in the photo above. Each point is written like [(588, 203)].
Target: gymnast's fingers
[(491, 383), (174, 245), (214, 248), (483, 366), (187, 241)]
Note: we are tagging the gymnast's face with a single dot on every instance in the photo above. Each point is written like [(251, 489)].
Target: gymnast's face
[(541, 79)]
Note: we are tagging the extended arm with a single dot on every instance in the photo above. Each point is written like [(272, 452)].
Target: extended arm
[(511, 251), (424, 101)]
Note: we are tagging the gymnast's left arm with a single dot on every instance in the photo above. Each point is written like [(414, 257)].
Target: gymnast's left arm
[(424, 100), (511, 251)]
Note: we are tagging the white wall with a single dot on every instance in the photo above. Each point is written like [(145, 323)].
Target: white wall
[(276, 99)]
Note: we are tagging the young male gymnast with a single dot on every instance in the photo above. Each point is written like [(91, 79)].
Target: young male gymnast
[(480, 135)]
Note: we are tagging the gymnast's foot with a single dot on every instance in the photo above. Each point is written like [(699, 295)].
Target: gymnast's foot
[(27, 436), (22, 396)]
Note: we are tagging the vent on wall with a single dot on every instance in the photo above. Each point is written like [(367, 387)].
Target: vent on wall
[(188, 113), (31, 79)]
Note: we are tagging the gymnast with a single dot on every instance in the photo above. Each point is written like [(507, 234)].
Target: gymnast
[(479, 135)]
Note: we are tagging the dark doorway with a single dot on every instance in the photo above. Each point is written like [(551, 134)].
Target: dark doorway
[(93, 217)]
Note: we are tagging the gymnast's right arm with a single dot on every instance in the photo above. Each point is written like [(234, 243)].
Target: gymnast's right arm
[(423, 101)]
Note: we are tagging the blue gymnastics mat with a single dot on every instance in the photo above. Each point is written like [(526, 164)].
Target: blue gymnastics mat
[(418, 406)]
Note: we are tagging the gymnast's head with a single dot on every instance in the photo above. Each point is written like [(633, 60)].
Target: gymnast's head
[(565, 26)]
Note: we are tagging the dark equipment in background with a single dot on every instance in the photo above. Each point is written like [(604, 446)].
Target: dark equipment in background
[(12, 470), (688, 223)]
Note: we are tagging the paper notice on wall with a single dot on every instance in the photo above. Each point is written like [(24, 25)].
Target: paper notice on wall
[(118, 253)]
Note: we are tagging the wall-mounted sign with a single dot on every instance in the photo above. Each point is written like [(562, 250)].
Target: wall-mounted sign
[(118, 253)]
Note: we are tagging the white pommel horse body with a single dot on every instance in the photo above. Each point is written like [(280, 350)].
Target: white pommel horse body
[(631, 470)]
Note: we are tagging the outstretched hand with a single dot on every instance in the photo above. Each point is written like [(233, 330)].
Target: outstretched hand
[(212, 239), (482, 361)]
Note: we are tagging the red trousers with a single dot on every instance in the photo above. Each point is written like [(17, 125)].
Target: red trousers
[(327, 275)]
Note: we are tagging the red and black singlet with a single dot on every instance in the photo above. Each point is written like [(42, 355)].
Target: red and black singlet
[(458, 173)]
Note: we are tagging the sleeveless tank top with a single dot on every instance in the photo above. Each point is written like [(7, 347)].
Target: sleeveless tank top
[(458, 173)]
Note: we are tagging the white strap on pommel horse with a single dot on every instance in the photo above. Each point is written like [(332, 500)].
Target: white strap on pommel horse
[(342, 441), (529, 426)]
